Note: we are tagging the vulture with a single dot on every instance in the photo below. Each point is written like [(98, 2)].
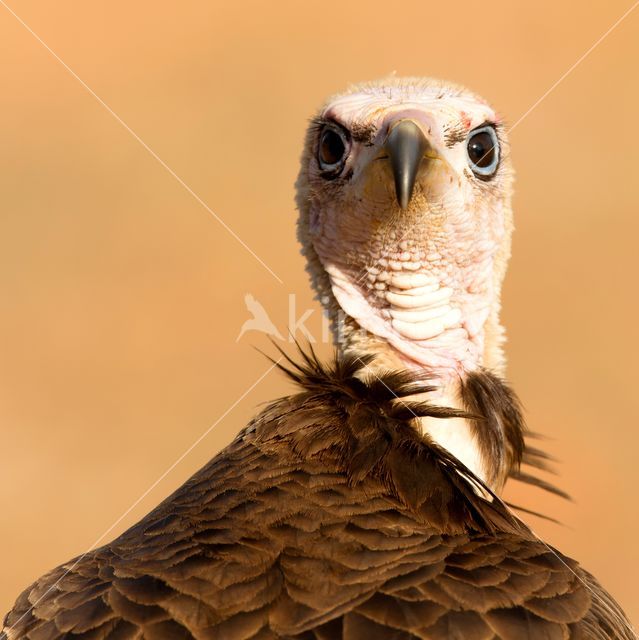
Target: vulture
[(365, 505)]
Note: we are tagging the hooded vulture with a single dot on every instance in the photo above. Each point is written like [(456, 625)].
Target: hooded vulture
[(366, 505)]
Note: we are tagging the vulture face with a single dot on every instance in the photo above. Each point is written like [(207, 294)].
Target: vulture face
[(404, 194)]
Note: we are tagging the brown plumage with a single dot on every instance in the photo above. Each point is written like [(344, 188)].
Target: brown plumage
[(329, 517), (361, 507)]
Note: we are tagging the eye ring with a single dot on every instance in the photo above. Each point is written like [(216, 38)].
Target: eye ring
[(482, 148), (333, 147)]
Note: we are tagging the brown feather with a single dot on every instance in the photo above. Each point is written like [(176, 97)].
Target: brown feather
[(329, 516)]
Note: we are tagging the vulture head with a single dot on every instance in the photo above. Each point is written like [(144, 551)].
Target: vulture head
[(405, 201)]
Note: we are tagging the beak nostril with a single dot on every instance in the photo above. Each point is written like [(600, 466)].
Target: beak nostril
[(406, 145)]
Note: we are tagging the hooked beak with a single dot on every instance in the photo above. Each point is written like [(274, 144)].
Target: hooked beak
[(406, 145)]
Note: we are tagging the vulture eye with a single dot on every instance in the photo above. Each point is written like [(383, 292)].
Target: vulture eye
[(483, 151), (334, 144)]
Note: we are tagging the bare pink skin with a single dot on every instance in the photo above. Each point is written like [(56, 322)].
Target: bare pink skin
[(418, 287), (423, 279)]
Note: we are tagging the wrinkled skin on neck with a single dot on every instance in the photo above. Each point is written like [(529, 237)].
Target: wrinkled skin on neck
[(425, 280), (418, 287), (422, 279)]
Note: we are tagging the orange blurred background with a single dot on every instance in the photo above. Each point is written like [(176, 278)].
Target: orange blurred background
[(121, 297)]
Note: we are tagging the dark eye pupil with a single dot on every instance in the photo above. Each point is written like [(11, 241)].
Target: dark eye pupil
[(481, 150), (331, 147)]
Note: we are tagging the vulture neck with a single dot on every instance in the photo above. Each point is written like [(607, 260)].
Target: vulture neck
[(461, 437), (452, 358)]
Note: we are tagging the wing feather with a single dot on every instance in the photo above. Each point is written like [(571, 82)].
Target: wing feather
[(327, 517)]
